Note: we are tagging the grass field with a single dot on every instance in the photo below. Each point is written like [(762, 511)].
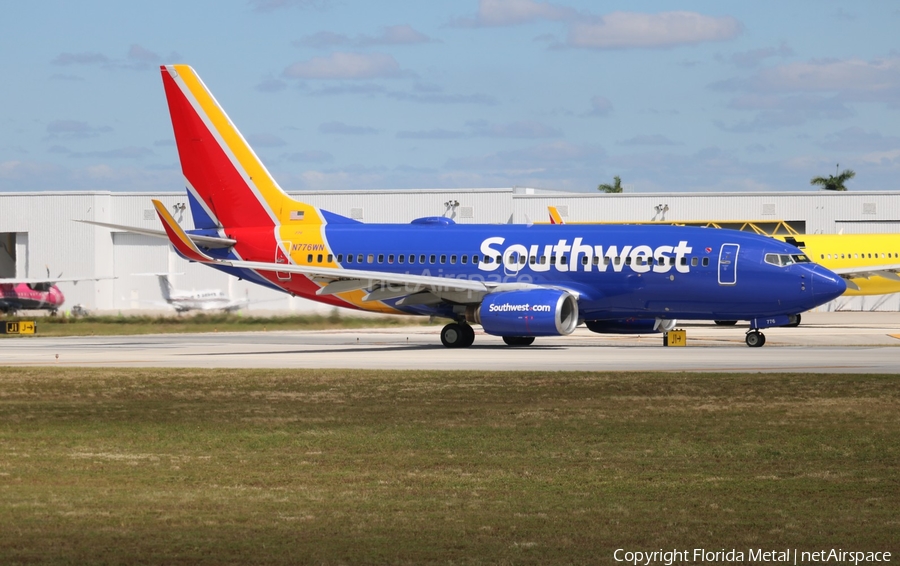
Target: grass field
[(363, 467), (204, 322)]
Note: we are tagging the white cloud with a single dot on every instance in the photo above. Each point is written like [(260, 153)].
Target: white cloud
[(395, 35), (341, 65), (832, 75), (620, 30), (513, 12), (754, 57), (600, 106)]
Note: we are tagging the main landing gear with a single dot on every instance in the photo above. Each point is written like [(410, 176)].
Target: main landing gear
[(457, 335), (755, 338), (461, 335)]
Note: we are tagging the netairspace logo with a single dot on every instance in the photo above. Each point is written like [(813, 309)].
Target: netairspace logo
[(785, 556)]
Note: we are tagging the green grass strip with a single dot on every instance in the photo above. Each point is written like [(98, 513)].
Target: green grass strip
[(184, 466)]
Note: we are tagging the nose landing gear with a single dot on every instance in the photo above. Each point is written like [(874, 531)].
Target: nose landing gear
[(755, 338)]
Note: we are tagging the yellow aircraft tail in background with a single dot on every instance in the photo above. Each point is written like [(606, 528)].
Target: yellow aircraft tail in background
[(870, 263)]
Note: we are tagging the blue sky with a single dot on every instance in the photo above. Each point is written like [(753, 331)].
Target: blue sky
[(670, 96)]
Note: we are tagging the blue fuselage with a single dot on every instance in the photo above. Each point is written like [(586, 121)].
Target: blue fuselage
[(619, 270)]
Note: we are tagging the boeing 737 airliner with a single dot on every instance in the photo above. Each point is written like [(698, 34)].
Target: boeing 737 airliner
[(517, 282)]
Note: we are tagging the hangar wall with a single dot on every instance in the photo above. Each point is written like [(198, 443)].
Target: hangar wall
[(47, 236)]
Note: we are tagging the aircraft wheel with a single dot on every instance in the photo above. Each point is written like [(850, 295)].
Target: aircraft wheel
[(755, 339), (518, 340), (468, 335), (454, 335), (794, 323), (725, 322)]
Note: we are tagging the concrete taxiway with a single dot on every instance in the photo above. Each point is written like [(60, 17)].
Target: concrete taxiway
[(825, 342)]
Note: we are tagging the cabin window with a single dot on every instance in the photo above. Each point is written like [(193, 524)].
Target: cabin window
[(340, 258), (617, 260), (823, 256), (371, 258), (309, 258), (596, 260), (380, 258), (330, 258), (319, 258), (401, 258), (543, 260), (412, 258), (391, 258), (464, 259), (431, 258), (453, 259), (488, 259), (705, 262), (563, 260), (628, 260), (606, 260), (532, 260), (639, 260), (584, 260), (694, 261), (553, 260), (422, 259), (443, 258), (474, 259)]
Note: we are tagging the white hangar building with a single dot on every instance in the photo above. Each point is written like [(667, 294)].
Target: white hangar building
[(38, 232)]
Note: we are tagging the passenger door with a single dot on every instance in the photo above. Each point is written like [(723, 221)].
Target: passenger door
[(728, 264)]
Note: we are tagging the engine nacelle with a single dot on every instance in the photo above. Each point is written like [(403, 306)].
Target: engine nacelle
[(530, 312), (630, 325)]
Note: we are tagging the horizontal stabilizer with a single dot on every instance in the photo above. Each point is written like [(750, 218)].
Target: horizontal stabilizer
[(209, 242)]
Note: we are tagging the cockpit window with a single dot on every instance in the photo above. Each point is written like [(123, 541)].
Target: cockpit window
[(786, 259)]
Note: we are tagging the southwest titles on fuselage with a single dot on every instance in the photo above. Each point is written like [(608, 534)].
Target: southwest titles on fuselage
[(664, 257)]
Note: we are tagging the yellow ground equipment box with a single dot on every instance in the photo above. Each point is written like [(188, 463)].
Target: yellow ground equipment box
[(675, 337)]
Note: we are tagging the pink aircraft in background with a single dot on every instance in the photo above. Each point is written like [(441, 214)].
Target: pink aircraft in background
[(36, 293)]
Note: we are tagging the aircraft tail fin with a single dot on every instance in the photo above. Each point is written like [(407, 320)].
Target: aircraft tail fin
[(555, 217), (227, 184), (165, 287)]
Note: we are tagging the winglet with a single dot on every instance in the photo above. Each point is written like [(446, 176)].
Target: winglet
[(179, 239)]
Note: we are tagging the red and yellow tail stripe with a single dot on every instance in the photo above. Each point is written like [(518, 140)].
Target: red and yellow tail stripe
[(226, 175)]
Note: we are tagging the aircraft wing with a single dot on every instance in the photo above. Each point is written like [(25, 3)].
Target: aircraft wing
[(850, 273), (380, 285), (209, 242)]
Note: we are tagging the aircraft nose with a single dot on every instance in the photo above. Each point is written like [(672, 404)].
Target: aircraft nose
[(826, 285)]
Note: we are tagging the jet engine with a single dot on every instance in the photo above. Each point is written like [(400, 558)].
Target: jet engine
[(530, 312), (630, 325)]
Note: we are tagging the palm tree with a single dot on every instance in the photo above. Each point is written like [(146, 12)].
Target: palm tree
[(834, 182), (616, 187)]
